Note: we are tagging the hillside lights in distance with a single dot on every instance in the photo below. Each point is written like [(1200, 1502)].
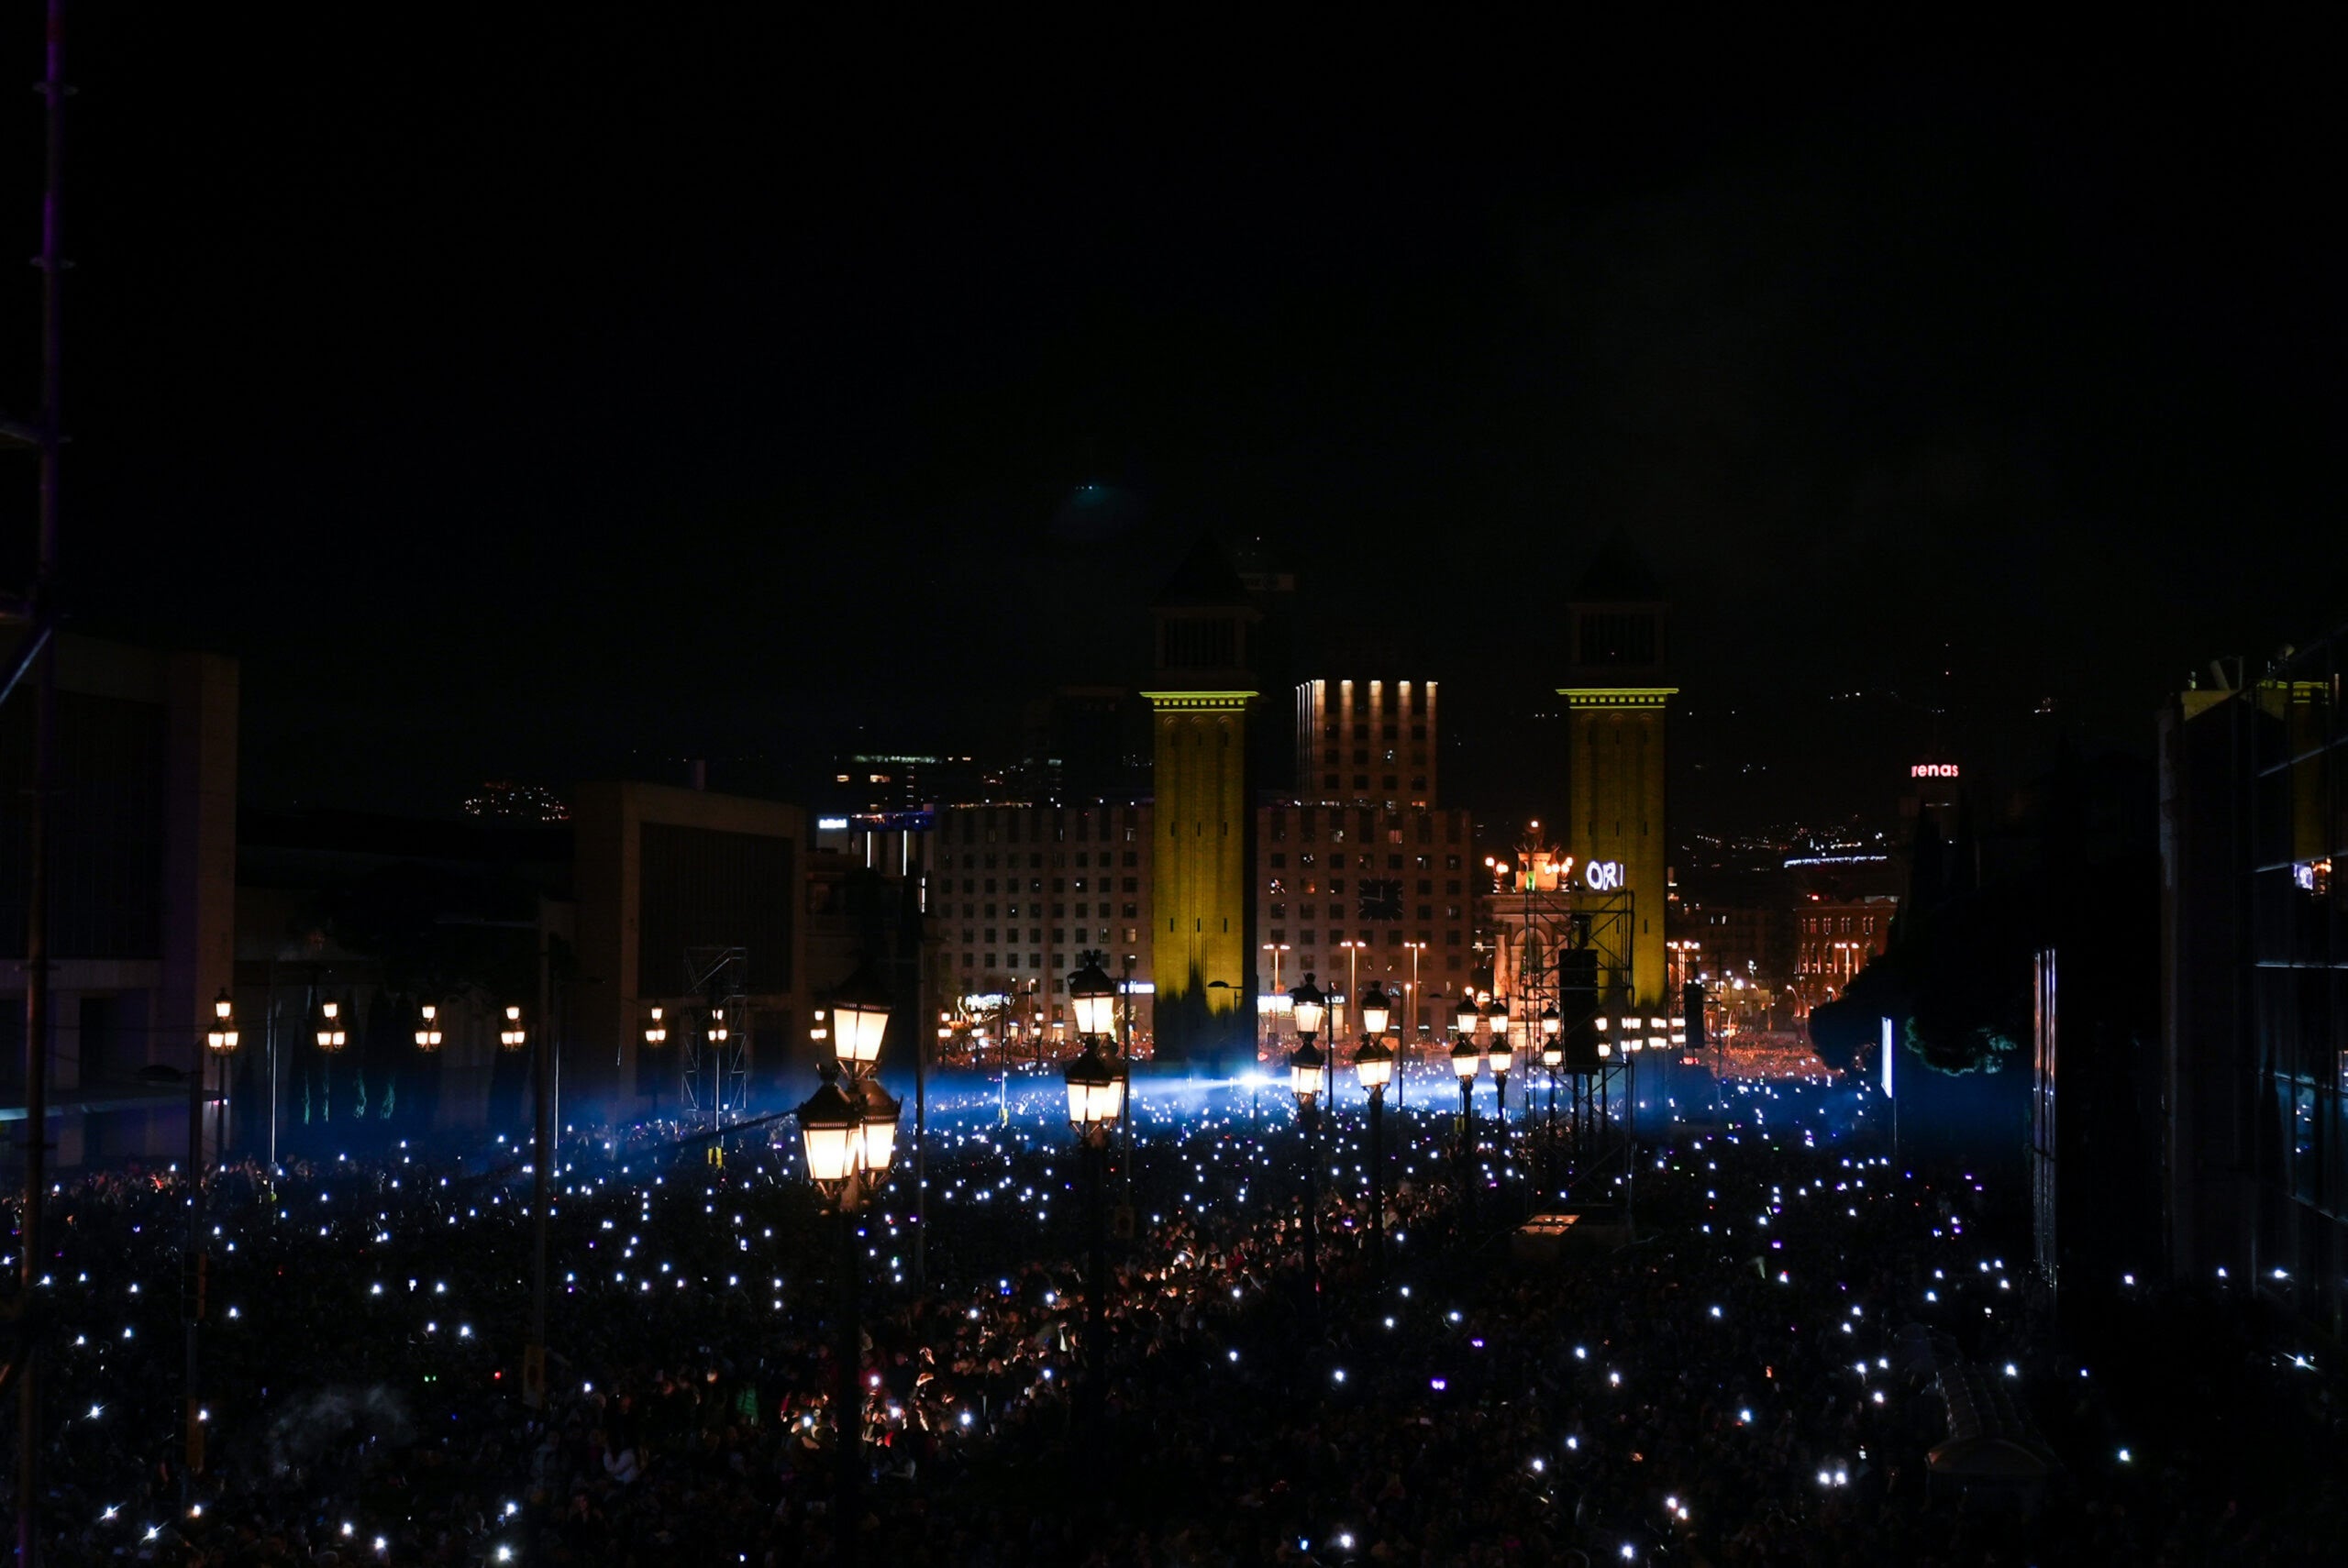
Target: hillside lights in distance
[(427, 1028), (330, 1033)]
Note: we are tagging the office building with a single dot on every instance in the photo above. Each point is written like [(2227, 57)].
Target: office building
[(1367, 742), (2255, 983)]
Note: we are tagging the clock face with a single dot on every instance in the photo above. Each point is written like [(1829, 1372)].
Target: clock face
[(1381, 898)]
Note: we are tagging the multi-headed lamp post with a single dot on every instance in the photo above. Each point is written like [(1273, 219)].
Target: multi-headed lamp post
[(1500, 1055), (848, 1127), (1306, 1064), (220, 1040), (656, 1034), (1374, 1064), (1466, 1056), (1096, 1099), (1553, 1056)]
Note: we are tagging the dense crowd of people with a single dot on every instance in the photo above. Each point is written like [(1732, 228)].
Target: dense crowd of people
[(1736, 1387)]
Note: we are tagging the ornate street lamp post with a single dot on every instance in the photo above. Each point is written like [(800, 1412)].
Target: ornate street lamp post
[(1499, 1054), (1307, 1006), (1466, 1056), (848, 1128), (1553, 1056), (1096, 1099), (1374, 1064), (656, 1035)]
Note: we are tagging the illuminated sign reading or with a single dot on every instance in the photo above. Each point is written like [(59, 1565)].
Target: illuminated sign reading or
[(1603, 876), (1933, 770)]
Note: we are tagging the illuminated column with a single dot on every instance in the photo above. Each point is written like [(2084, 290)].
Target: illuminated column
[(1616, 705), (1202, 942)]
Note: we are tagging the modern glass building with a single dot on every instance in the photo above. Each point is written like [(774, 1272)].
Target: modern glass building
[(2254, 813)]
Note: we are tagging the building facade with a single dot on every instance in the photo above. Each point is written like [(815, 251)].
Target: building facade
[(2255, 981), (1367, 742), (1833, 939), (142, 853), (1356, 893)]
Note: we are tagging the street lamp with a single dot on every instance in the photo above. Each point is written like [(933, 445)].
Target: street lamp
[(1553, 1056), (427, 1028), (330, 1033), (656, 1035), (1374, 1064), (1466, 1056), (513, 1037), (849, 1136), (1500, 1055), (221, 1041), (1306, 1066), (1096, 1101)]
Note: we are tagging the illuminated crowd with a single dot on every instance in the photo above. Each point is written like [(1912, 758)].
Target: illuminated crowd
[(1735, 1387)]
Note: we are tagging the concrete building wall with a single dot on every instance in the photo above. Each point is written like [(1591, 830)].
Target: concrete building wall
[(618, 980)]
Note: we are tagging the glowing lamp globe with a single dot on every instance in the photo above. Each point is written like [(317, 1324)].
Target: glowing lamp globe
[(1553, 1056), (427, 1028), (877, 1125), (656, 1032), (1501, 1057), (1094, 998), (1374, 1010), (1374, 1064), (1550, 1022), (1306, 1065), (831, 1128), (1096, 1095), (1467, 1020), (1465, 1059), (222, 1007), (1310, 1006), (859, 1018), (330, 1031)]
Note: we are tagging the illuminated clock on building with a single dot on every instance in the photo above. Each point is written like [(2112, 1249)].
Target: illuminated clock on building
[(1381, 898)]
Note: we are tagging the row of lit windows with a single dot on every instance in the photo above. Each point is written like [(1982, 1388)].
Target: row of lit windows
[(1367, 828), (1339, 911), (1035, 934), (1330, 757), (1035, 884), (1366, 861), (1838, 925), (970, 912), (1007, 824), (1036, 860)]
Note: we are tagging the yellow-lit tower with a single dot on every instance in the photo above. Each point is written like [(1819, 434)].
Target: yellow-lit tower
[(1616, 702), (1203, 945)]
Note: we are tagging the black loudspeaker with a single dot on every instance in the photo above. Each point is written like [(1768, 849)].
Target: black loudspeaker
[(1577, 1006), (1692, 1007)]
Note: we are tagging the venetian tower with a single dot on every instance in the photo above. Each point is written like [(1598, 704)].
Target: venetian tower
[(1615, 702), (1203, 944)]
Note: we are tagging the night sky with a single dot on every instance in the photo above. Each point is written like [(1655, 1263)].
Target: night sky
[(560, 394)]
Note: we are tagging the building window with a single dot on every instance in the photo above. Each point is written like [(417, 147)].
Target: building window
[(1280, 911), (1133, 912), (1278, 935), (1278, 861), (1132, 885), (1452, 964), (969, 961), (1305, 938), (1330, 782)]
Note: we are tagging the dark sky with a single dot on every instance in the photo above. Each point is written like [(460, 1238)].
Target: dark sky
[(554, 394)]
